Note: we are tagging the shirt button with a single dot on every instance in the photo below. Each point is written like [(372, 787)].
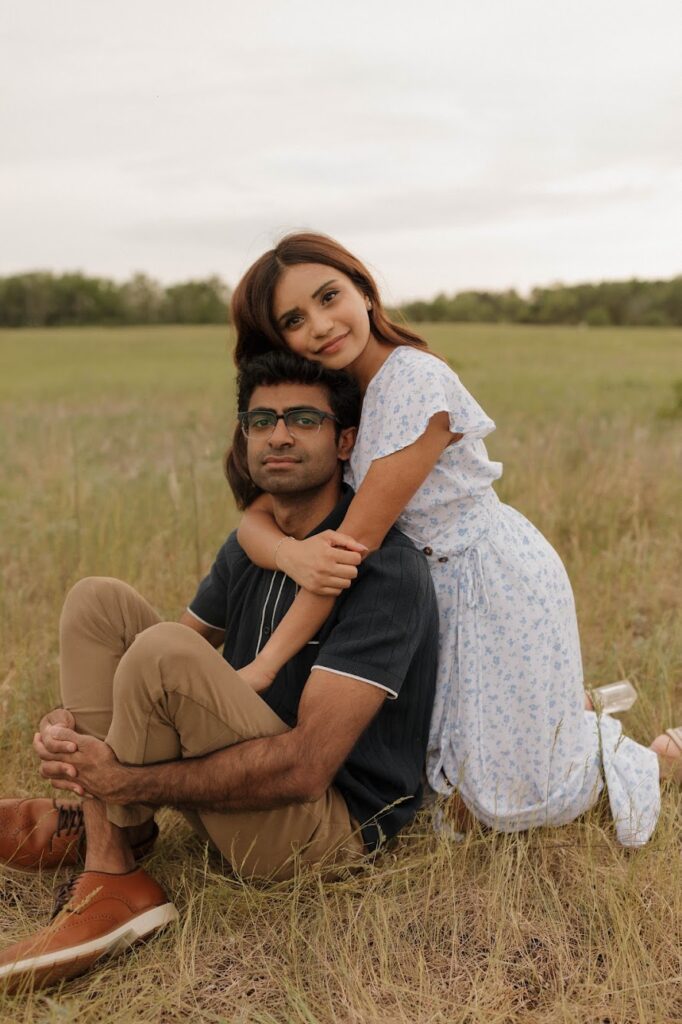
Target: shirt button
[(266, 631), (443, 558), (427, 551)]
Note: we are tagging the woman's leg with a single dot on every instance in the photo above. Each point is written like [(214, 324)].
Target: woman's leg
[(669, 751)]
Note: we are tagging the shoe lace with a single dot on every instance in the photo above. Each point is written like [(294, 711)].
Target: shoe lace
[(63, 895), (69, 819)]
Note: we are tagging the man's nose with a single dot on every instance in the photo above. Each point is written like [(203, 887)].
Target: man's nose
[(280, 435)]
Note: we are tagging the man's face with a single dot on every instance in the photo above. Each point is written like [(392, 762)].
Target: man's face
[(286, 463)]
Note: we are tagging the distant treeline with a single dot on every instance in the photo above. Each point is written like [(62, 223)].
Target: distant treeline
[(43, 299), (616, 303)]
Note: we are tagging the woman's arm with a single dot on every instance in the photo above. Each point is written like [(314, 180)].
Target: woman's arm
[(258, 533), (391, 482), (388, 486), (323, 564), (304, 619)]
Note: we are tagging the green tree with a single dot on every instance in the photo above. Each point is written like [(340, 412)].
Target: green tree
[(197, 302)]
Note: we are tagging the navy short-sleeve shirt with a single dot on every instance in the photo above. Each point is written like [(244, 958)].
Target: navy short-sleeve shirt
[(383, 630)]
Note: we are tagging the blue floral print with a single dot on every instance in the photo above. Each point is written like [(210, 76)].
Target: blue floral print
[(509, 729)]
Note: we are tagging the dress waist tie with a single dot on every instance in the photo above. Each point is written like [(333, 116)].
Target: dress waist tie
[(450, 733), (472, 580)]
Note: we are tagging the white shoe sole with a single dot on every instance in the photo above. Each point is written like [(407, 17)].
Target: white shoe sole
[(105, 945)]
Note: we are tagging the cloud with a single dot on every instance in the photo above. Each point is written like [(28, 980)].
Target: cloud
[(176, 143), (388, 212)]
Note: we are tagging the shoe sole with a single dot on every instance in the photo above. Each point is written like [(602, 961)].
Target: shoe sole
[(67, 963)]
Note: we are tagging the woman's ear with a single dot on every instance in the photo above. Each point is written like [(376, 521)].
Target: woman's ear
[(346, 443)]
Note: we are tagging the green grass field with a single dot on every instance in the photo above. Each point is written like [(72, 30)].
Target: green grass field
[(110, 449)]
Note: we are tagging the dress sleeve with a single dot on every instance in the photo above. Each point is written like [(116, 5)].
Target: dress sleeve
[(414, 392)]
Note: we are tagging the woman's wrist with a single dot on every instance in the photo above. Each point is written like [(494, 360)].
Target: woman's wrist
[(282, 550), (265, 662)]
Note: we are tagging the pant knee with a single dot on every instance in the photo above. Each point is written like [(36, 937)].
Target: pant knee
[(146, 656), (88, 594)]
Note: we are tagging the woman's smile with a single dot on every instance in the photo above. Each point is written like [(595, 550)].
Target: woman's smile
[(333, 346)]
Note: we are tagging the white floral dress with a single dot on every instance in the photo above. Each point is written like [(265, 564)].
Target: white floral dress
[(509, 729)]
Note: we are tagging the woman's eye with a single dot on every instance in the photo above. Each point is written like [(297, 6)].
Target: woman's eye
[(328, 296), (293, 321)]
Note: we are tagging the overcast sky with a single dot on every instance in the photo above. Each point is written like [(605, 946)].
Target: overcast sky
[(486, 143)]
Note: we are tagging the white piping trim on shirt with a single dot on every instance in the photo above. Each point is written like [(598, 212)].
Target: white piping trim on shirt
[(372, 682), (199, 619), (262, 618), (274, 610)]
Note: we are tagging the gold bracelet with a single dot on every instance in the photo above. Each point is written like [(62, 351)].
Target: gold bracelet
[(277, 547)]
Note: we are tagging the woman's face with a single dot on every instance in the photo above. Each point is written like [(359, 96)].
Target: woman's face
[(321, 314)]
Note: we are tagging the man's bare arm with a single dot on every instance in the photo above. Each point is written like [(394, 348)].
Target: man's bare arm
[(215, 636), (293, 767)]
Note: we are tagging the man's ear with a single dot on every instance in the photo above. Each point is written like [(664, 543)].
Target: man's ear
[(346, 443)]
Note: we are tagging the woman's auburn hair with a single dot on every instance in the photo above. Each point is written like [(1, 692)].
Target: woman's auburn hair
[(252, 299)]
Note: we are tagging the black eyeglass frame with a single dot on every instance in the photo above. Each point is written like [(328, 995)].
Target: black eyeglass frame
[(243, 418)]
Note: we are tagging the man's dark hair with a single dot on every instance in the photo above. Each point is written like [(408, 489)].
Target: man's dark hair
[(283, 367)]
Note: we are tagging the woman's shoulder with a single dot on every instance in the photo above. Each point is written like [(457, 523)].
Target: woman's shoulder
[(407, 364), (411, 386)]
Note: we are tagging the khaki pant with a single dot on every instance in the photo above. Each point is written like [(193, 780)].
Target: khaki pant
[(157, 691)]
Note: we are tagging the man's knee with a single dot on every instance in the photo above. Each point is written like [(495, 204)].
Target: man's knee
[(152, 651), (87, 596)]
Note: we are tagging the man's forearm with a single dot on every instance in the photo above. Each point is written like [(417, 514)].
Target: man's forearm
[(255, 775)]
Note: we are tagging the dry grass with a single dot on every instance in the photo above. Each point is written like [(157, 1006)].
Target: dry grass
[(110, 445)]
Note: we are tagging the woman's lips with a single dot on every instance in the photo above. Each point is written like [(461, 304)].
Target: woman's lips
[(333, 346)]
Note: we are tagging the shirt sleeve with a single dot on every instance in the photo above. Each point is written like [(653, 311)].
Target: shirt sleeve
[(382, 619), (416, 388), (209, 604)]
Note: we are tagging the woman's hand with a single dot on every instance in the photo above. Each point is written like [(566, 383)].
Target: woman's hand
[(258, 674), (325, 564)]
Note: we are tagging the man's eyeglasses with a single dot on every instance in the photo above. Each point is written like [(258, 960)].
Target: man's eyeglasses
[(261, 423)]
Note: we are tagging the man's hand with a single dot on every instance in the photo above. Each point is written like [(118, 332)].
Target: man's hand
[(58, 717), (47, 744), (86, 765)]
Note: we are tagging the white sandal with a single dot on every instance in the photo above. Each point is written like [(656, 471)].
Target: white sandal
[(612, 698)]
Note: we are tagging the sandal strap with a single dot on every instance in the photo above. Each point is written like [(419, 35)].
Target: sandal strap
[(675, 735)]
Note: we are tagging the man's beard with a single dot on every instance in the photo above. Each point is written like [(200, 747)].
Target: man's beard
[(301, 481)]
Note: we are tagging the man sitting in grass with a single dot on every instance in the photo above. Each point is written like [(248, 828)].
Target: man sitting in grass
[(319, 767)]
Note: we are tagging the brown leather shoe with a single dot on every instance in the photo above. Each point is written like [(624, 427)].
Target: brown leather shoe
[(42, 833), (97, 914), (39, 833)]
